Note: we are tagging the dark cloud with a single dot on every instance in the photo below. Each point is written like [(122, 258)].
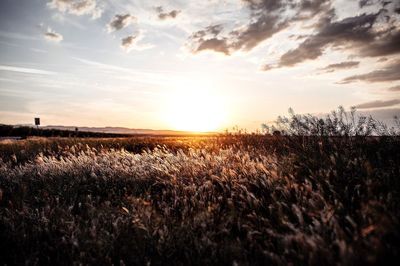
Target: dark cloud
[(259, 5), (244, 38), (77, 7), (378, 104), (271, 16), (389, 73), (366, 35), (120, 21), (382, 59), (342, 65), (387, 31), (128, 42), (214, 44), (267, 17), (342, 33), (207, 39), (298, 37), (364, 3), (388, 44), (133, 42), (307, 9), (162, 15), (53, 36), (50, 34), (254, 33), (394, 88), (262, 26)]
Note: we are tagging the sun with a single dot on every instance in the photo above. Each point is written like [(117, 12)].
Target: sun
[(194, 107)]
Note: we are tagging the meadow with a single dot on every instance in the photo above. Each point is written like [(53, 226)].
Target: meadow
[(319, 192)]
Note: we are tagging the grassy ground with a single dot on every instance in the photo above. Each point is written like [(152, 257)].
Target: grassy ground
[(232, 199)]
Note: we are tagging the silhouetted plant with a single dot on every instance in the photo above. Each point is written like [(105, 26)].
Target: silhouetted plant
[(337, 123)]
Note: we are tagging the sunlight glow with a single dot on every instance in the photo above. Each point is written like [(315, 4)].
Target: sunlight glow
[(194, 106)]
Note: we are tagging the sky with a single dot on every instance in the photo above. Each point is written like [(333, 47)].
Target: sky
[(195, 65)]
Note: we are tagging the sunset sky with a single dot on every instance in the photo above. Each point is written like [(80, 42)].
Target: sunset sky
[(179, 64)]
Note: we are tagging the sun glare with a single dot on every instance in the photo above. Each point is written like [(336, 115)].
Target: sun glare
[(195, 107)]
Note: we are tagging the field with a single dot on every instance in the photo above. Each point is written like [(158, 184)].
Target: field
[(324, 192)]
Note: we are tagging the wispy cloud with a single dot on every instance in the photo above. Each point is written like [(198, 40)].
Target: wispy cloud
[(152, 76), (394, 88), (77, 7), (38, 50), (341, 65), (63, 19), (9, 80), (389, 73), (131, 75), (102, 65), (18, 36), (378, 104), (26, 70)]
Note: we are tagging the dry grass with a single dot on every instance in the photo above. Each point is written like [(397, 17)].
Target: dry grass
[(233, 199)]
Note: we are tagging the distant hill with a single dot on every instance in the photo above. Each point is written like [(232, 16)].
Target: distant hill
[(121, 130), (70, 131)]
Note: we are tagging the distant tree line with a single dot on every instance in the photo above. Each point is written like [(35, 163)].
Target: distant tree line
[(26, 131)]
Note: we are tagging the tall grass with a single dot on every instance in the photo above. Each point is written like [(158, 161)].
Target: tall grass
[(338, 123), (238, 199)]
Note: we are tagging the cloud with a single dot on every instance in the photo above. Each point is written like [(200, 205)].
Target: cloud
[(166, 15), (130, 43), (249, 36), (342, 65), (244, 38), (389, 73), (307, 9), (378, 104), (26, 70), (394, 88), (382, 59), (18, 36), (386, 44), (77, 7), (342, 33), (266, 67), (53, 36), (207, 39), (119, 22), (366, 3), (372, 35), (267, 17), (214, 44), (64, 19)]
